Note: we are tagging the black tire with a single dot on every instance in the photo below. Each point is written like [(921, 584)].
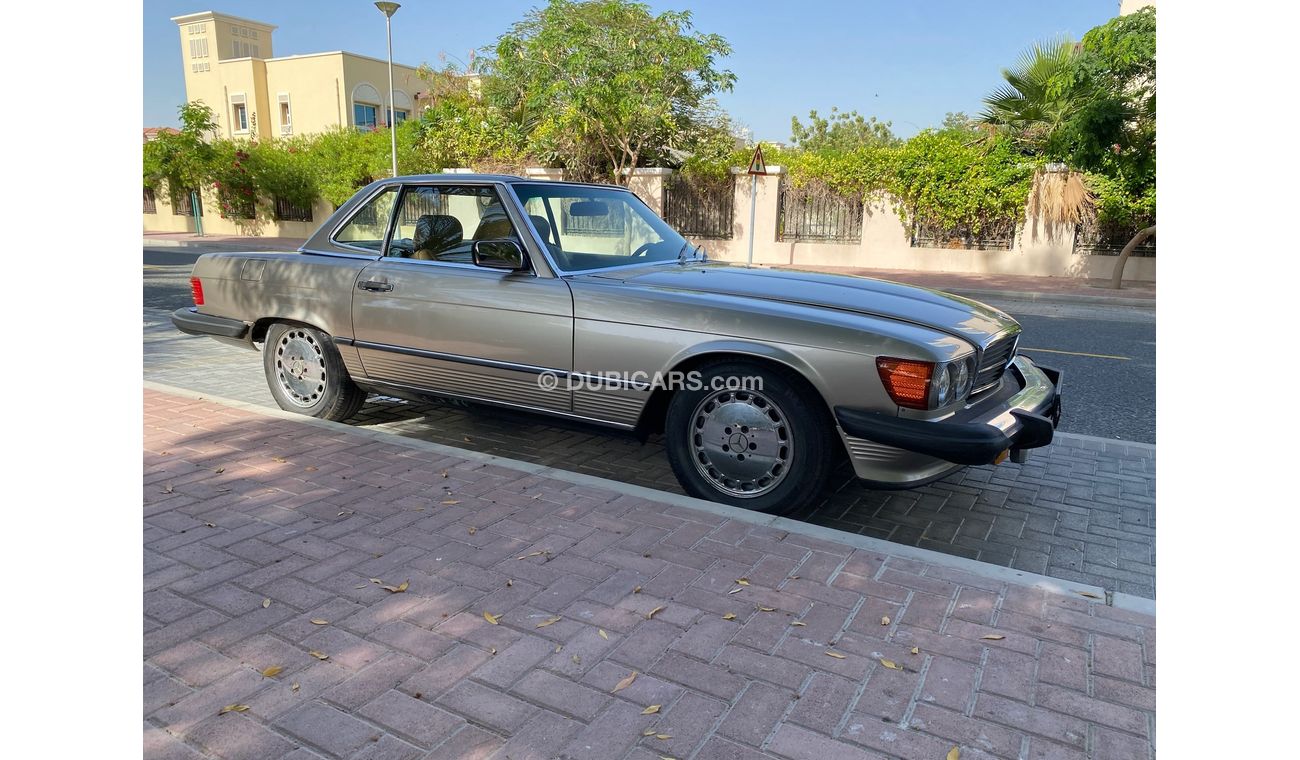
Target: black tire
[(306, 374), (800, 443)]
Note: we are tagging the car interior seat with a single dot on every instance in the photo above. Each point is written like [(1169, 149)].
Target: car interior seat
[(435, 234)]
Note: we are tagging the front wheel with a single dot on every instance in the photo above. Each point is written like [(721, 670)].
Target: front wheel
[(306, 374), (750, 437)]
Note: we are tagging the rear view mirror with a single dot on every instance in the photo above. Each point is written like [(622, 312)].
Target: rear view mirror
[(589, 208), (499, 254)]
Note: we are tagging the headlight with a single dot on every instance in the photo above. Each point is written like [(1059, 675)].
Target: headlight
[(917, 384), (963, 380), (943, 386)]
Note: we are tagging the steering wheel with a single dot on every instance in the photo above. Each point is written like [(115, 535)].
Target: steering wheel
[(643, 249)]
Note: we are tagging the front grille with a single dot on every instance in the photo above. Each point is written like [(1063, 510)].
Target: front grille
[(993, 362)]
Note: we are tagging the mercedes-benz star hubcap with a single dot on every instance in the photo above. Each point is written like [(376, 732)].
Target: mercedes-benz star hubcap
[(300, 368), (741, 442)]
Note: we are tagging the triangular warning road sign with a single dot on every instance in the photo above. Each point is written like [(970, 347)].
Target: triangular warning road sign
[(756, 164)]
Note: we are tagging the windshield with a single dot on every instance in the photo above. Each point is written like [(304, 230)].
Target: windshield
[(594, 227)]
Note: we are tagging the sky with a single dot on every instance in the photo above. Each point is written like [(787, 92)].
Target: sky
[(908, 63)]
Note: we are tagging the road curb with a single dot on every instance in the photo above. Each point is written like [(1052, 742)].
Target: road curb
[(998, 573), (222, 245), (1046, 297)]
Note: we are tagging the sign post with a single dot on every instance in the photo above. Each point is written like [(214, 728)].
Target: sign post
[(757, 167)]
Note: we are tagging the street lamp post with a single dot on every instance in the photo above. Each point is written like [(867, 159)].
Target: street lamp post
[(388, 9)]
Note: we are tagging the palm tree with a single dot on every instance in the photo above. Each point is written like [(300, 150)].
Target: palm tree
[(1037, 97)]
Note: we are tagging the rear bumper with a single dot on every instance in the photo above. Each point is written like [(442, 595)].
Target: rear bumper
[(191, 322), (898, 451)]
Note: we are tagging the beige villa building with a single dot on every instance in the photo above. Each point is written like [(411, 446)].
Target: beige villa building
[(230, 66)]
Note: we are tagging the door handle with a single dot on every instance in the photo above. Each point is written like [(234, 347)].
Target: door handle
[(375, 286)]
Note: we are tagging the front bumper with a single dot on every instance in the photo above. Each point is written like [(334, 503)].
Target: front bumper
[(898, 451)]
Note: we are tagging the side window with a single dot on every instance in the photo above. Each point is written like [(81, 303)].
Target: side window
[(441, 222), (366, 228)]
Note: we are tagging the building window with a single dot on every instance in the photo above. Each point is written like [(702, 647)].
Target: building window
[(240, 115), (150, 201), (199, 48), (286, 114), (363, 115), (402, 116)]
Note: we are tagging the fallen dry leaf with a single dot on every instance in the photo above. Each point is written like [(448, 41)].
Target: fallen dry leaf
[(548, 621), (444, 473), (266, 603), (346, 512), (488, 616), (318, 621), (836, 655), (736, 590), (576, 660), (602, 633), (396, 589), (168, 489), (318, 655), (1089, 594), (510, 582), (281, 460), (636, 590), (210, 525), (953, 754), (743, 581), (729, 616), (449, 502), (232, 708), (652, 613), (558, 647), (884, 620), (531, 554), (220, 470), (375, 580), (651, 710), (295, 687), (492, 650), (916, 650), (472, 530), (272, 671), (648, 732), (663, 737), (993, 636), (361, 586), (890, 664), (626, 682), (800, 624), (766, 609), (309, 468)]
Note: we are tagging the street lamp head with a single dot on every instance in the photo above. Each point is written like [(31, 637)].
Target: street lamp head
[(388, 8)]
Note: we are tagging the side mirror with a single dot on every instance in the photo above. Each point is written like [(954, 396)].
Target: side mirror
[(499, 254)]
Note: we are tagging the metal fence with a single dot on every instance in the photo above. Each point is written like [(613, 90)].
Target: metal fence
[(998, 235), (289, 212), (420, 202), (700, 207), (1109, 239), (150, 201), (816, 215), (181, 203)]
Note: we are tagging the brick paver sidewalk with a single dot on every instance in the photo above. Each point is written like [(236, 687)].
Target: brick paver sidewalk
[(269, 543)]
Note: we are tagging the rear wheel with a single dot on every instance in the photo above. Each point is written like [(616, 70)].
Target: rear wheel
[(763, 444), (306, 374)]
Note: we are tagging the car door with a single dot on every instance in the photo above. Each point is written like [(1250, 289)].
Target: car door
[(425, 317)]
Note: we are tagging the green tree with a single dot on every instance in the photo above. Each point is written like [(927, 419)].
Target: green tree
[(1038, 97), (182, 160), (843, 131), (604, 85)]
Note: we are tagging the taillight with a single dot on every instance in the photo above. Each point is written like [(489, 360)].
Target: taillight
[(907, 381), (196, 290)]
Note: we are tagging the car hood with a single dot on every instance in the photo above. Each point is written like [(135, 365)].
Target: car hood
[(945, 312)]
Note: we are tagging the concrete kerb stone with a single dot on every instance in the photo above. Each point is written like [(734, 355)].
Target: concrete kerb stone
[(866, 543)]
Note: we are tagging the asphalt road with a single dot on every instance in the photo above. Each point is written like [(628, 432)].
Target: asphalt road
[(1108, 353)]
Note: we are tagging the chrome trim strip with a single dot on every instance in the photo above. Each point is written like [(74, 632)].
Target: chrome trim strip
[(497, 364), (509, 404)]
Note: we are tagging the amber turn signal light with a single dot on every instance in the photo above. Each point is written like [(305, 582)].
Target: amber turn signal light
[(907, 381)]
